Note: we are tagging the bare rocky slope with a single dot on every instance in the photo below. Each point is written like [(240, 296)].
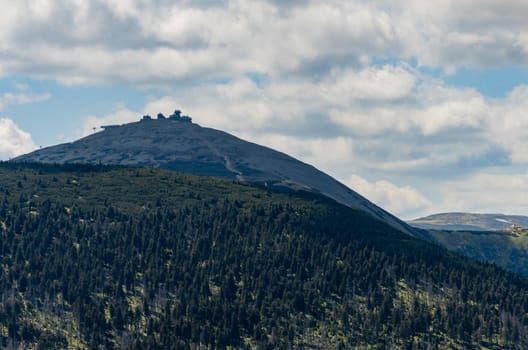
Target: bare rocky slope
[(183, 146)]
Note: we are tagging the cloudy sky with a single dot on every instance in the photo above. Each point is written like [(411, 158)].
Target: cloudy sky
[(421, 106)]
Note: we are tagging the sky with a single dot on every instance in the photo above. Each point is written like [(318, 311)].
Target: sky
[(421, 106)]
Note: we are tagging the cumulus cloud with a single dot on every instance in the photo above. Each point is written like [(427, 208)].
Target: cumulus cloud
[(468, 33), (404, 201), (13, 140), (486, 192), (508, 124), (156, 42)]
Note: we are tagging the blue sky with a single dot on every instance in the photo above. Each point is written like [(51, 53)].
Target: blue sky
[(419, 106)]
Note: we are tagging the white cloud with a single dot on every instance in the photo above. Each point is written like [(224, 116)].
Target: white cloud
[(173, 40), (9, 98), (451, 34), (426, 107), (486, 193), (377, 84), (508, 124), (158, 42), (78, 42), (13, 140), (403, 201), (326, 154), (84, 42)]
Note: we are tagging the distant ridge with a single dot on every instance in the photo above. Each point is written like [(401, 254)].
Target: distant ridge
[(176, 143), (470, 222), (494, 238)]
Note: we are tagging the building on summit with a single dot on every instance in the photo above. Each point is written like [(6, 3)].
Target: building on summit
[(179, 117)]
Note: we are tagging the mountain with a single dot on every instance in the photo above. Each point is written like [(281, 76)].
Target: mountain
[(180, 145), (505, 249), (470, 222), (493, 238), (100, 257)]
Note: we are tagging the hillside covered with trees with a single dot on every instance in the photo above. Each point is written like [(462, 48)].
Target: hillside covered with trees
[(100, 257)]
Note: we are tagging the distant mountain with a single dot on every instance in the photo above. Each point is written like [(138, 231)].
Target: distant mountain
[(494, 238), (96, 257), (178, 144), (505, 249), (469, 222)]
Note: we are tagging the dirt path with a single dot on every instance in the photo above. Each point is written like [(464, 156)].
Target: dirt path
[(227, 161)]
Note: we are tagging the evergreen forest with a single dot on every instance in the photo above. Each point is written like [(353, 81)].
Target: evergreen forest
[(97, 257)]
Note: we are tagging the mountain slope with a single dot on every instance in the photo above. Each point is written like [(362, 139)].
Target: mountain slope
[(506, 250), (97, 257), (187, 147), (469, 222), (494, 238)]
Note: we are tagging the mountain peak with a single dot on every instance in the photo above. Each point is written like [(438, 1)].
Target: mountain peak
[(176, 143)]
